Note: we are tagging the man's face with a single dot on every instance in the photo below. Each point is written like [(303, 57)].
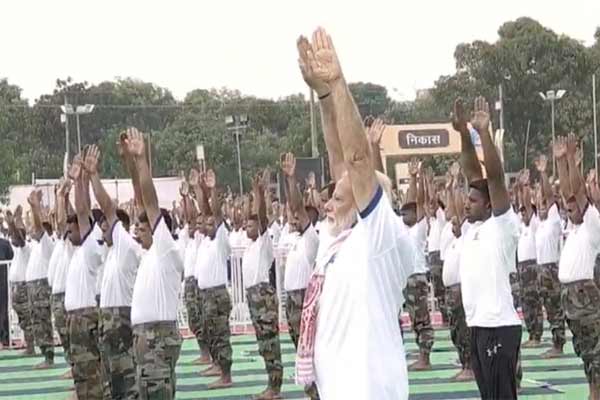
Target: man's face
[(210, 227), (106, 232), (294, 222), (409, 217), (144, 234), (574, 212), (456, 228), (200, 225), (275, 205), (340, 208), (252, 229), (73, 233), (542, 209), (477, 207)]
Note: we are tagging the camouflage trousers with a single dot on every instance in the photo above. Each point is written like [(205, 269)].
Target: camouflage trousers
[(194, 312), (116, 346), (85, 354), (416, 295), (439, 290), (293, 313), (550, 297), (459, 331), (157, 346), (264, 312), (61, 323), (515, 289), (20, 302), (580, 301), (216, 308), (41, 316), (531, 304)]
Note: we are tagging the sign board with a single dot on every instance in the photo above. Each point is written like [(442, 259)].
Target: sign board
[(420, 139)]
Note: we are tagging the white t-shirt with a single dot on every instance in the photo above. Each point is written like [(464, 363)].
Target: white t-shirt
[(18, 267), (301, 260), (359, 352), (257, 260), (451, 268), (63, 260), (446, 238), (82, 274), (435, 230), (418, 235), (120, 269), (158, 282), (191, 254), (238, 239), (37, 267), (211, 266), (486, 261), (581, 248), (287, 239), (275, 232), (547, 237), (526, 247), (325, 239)]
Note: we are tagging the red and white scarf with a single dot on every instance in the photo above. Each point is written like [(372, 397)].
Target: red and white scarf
[(305, 366)]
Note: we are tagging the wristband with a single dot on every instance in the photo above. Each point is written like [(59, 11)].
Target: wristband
[(324, 96)]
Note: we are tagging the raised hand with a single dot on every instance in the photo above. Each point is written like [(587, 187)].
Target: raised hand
[(35, 198), (210, 179), (288, 165), (266, 177), (578, 157), (455, 169), (375, 131), (90, 164), (258, 184), (75, 170), (134, 143), (184, 189), (122, 145), (64, 187), (429, 174), (306, 60), (311, 181), (413, 167), (560, 147), (10, 219), (524, 177), (459, 117), (18, 213), (541, 162), (325, 64), (572, 145), (194, 178), (481, 115)]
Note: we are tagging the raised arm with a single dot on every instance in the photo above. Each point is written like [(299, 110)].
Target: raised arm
[(260, 208), (129, 161), (493, 165), (468, 156), (525, 193), (14, 232), (316, 82), (546, 192), (135, 146), (592, 181), (35, 201), (90, 166), (560, 153), (210, 191), (375, 133), (575, 177), (413, 171), (62, 198), (296, 204), (82, 208), (421, 196)]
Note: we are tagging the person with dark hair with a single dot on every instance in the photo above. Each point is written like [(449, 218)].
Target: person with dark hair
[(17, 276), (80, 290), (576, 269), (487, 258), (261, 295), (38, 288), (417, 287), (211, 274), (118, 279), (156, 338), (57, 270)]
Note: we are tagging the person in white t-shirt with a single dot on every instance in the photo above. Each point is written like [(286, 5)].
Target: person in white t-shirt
[(580, 295), (594, 194), (211, 274), (487, 258), (547, 245), (155, 299), (527, 269), (417, 287), (16, 276), (302, 254), (261, 295), (38, 288), (350, 344), (80, 299), (117, 282)]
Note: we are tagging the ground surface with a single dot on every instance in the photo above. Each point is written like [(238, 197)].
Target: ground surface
[(561, 378)]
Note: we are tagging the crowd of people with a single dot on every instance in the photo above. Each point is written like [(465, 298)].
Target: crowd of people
[(111, 277)]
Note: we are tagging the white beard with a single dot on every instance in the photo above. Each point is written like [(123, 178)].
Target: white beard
[(342, 223)]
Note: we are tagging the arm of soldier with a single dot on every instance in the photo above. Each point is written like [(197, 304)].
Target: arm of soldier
[(468, 157), (577, 182), (295, 202)]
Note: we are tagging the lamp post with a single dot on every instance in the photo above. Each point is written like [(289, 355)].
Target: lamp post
[(77, 111), (237, 124), (552, 96)]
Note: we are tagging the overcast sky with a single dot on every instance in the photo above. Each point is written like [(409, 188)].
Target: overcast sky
[(250, 45)]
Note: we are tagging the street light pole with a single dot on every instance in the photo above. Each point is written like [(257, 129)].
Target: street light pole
[(66, 130), (78, 132), (237, 123), (553, 139), (239, 159), (552, 96)]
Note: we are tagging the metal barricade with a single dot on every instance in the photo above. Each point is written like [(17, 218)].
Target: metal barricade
[(240, 314)]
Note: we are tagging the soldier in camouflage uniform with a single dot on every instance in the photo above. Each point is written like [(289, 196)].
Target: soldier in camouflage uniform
[(459, 331), (550, 292), (293, 312), (416, 295), (83, 334), (61, 323), (20, 302), (515, 289), (530, 302)]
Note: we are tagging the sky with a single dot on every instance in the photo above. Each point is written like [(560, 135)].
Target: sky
[(250, 45)]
